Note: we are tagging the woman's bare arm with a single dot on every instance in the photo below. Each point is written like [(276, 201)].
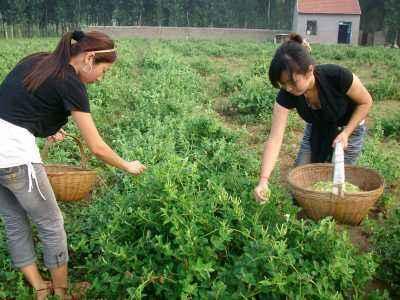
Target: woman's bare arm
[(271, 149), (99, 148)]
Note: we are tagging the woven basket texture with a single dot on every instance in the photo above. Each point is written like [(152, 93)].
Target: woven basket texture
[(70, 183), (350, 209)]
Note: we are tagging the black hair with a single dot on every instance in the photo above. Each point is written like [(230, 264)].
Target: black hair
[(293, 56)]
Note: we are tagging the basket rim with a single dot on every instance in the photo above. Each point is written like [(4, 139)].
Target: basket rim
[(306, 166), (76, 169)]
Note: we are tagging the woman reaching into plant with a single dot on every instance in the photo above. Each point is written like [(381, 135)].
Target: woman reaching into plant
[(36, 99), (332, 100)]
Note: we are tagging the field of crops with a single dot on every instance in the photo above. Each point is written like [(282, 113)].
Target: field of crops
[(197, 113)]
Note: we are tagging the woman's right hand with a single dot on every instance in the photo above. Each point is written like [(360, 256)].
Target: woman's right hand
[(262, 192), (57, 137), (99, 148), (135, 167)]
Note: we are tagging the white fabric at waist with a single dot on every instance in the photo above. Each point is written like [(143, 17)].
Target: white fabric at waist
[(18, 147)]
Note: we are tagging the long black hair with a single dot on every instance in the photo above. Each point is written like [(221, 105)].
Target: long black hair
[(293, 56), (51, 64)]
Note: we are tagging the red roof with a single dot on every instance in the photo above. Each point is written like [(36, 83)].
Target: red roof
[(348, 7)]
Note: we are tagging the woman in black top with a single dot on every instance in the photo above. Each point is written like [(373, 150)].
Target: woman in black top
[(330, 98), (36, 99)]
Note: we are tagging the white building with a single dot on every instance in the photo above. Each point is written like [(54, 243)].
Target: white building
[(328, 21)]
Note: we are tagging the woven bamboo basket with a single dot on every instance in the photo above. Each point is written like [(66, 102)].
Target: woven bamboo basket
[(350, 209), (70, 183)]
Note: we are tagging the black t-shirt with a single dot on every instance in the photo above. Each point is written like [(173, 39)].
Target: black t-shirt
[(332, 82), (47, 109)]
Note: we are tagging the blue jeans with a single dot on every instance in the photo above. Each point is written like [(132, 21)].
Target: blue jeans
[(351, 154), (18, 207)]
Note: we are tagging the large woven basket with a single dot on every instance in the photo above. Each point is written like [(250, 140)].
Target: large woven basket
[(350, 209), (70, 183)]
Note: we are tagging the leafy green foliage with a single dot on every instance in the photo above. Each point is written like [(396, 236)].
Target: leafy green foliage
[(391, 125), (231, 83), (255, 99), (189, 227), (381, 157), (392, 18), (386, 89), (386, 240), (327, 186)]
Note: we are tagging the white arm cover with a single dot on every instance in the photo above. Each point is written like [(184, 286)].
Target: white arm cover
[(338, 172)]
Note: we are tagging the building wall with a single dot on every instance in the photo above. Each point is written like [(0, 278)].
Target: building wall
[(152, 32), (327, 27), (295, 19)]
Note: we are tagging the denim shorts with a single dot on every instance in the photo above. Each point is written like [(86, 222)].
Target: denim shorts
[(18, 208), (351, 154)]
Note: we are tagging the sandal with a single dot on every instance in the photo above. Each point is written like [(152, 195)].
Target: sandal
[(77, 291), (44, 292)]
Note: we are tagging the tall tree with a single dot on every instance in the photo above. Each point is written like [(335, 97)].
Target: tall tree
[(28, 17), (392, 20), (372, 15)]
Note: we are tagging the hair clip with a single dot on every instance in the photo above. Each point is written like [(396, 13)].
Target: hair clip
[(77, 35)]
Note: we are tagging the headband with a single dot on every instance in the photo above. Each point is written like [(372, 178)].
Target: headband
[(78, 35), (105, 51)]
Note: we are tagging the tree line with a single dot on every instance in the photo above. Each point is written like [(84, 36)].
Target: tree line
[(28, 18), (50, 17)]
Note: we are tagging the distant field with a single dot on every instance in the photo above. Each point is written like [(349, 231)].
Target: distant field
[(197, 113)]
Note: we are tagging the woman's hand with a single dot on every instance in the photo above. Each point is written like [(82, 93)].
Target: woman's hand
[(99, 148), (343, 137), (262, 192), (58, 137), (135, 167)]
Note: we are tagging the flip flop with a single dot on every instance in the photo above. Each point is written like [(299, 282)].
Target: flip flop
[(76, 291)]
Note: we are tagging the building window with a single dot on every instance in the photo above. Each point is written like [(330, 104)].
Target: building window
[(311, 28)]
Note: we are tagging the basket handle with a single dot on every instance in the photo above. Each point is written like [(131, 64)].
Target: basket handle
[(84, 158)]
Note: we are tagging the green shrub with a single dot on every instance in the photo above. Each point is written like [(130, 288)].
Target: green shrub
[(202, 65), (231, 83), (155, 60), (384, 89), (261, 67), (256, 98), (386, 241), (189, 228), (391, 125), (382, 157)]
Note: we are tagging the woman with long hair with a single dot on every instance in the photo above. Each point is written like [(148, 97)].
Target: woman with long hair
[(36, 99)]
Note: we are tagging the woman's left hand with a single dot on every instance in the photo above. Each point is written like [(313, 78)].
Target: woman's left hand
[(343, 137), (58, 137)]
